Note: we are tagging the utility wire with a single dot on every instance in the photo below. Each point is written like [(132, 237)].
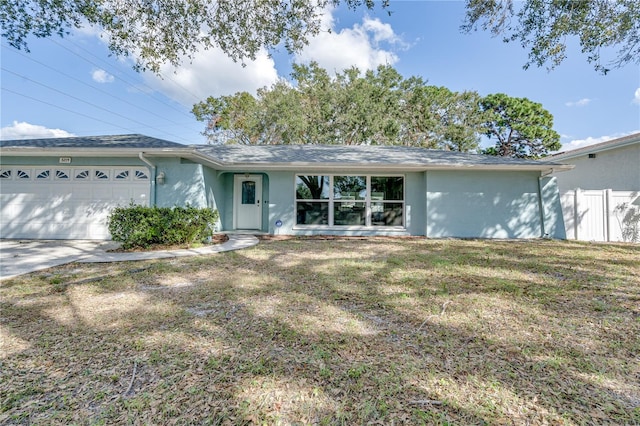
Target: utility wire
[(93, 87), (68, 110), (129, 82), (86, 102), (195, 97)]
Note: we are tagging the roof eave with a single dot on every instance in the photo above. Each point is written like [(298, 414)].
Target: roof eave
[(194, 155), (629, 140), (88, 152), (368, 167)]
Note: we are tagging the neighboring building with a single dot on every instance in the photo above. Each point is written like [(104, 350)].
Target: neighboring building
[(601, 194), (65, 188), (611, 165)]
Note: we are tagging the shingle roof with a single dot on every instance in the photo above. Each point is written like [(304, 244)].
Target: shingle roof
[(353, 155), (614, 143), (284, 156), (115, 141)]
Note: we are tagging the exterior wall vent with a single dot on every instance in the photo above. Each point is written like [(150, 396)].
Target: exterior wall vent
[(592, 156)]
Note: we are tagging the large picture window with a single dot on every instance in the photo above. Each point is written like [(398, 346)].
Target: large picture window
[(312, 200), (350, 200)]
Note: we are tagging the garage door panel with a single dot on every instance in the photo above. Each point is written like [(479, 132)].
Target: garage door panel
[(122, 193), (100, 232), (66, 203), (102, 192), (82, 192)]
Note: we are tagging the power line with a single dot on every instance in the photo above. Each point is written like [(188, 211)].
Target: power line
[(83, 101), (68, 110), (196, 97), (131, 84), (92, 87)]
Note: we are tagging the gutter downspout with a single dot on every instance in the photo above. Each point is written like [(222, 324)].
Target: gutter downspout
[(152, 201), (543, 210)]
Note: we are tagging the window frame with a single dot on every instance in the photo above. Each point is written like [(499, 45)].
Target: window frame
[(332, 202)]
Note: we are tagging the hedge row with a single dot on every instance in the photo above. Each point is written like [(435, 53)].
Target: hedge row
[(140, 226)]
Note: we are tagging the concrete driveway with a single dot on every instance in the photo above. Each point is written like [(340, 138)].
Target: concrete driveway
[(18, 257)]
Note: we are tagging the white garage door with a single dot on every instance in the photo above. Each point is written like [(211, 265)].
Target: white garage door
[(66, 202)]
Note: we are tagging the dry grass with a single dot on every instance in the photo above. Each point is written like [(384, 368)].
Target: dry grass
[(381, 331)]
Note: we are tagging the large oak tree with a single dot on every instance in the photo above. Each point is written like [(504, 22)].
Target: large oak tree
[(544, 26), (378, 108), (165, 31)]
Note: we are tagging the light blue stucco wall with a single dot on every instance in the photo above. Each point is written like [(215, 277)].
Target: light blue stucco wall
[(484, 204), (214, 192), (281, 202), (553, 220), (226, 211), (415, 190), (184, 183)]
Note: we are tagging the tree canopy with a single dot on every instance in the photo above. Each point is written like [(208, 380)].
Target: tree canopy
[(377, 108), (520, 127), (543, 27), (158, 32)]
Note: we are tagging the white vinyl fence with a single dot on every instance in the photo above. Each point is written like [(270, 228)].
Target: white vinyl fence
[(602, 215)]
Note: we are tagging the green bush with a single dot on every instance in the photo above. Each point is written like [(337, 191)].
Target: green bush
[(140, 226)]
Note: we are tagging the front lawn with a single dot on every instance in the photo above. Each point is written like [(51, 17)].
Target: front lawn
[(330, 331)]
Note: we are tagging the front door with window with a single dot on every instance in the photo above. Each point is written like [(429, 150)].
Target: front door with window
[(247, 202)]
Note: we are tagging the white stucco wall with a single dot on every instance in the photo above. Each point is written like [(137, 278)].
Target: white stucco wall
[(617, 169)]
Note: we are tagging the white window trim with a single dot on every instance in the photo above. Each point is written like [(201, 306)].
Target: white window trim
[(367, 202)]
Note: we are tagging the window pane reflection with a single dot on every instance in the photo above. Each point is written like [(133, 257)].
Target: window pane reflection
[(349, 213), (312, 213), (349, 187), (386, 214), (387, 188), (312, 187)]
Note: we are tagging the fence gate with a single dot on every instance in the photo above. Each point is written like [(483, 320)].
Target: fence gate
[(602, 215)]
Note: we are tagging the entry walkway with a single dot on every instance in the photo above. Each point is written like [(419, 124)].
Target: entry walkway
[(235, 242), (19, 257)]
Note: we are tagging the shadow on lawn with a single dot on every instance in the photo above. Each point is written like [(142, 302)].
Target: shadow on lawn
[(395, 334)]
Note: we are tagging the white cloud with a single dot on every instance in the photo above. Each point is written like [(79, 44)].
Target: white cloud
[(581, 143), (381, 31), (24, 130), (358, 46), (212, 73), (101, 76), (636, 96), (582, 102)]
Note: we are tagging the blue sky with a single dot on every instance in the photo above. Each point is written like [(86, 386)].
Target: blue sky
[(72, 86)]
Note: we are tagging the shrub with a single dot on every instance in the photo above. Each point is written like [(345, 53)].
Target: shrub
[(140, 226)]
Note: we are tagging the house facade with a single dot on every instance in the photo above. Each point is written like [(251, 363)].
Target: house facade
[(65, 188)]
